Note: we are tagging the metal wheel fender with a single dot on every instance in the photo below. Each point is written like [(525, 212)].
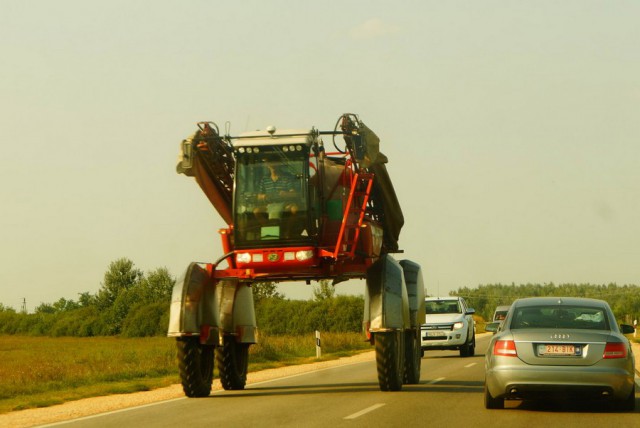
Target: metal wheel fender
[(386, 297), (415, 290), (234, 300), (193, 305)]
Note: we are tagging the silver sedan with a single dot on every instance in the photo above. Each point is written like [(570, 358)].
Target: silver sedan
[(559, 347)]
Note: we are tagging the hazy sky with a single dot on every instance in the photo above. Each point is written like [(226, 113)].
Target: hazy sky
[(511, 129)]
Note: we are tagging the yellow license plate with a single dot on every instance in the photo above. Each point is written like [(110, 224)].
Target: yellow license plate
[(559, 350)]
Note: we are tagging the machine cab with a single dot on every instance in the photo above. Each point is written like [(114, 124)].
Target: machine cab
[(274, 201)]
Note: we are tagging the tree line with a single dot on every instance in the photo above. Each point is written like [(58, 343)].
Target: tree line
[(132, 303), (623, 299)]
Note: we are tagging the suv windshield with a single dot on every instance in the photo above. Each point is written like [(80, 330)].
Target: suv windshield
[(442, 307), (271, 195), (575, 317)]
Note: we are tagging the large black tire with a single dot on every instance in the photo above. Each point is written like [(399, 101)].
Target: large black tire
[(412, 357), (195, 363), (390, 360), (233, 362), (469, 348), (491, 402)]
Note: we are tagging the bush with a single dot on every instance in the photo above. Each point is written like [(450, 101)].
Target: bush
[(146, 320), (296, 317)]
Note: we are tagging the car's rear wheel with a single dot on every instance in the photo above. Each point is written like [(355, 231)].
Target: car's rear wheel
[(629, 403), (491, 402)]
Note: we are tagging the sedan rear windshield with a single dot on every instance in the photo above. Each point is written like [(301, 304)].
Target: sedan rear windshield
[(575, 317)]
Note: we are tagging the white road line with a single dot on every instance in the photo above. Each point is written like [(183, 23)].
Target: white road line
[(365, 411), (435, 381), (470, 365), (112, 412)]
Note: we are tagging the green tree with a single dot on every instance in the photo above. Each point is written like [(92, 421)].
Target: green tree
[(86, 299), (265, 290), (157, 286), (4, 308), (44, 308), (324, 290), (121, 276)]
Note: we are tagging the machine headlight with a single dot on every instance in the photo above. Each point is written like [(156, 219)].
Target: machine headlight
[(458, 325), (304, 255), (289, 255), (257, 257), (243, 258)]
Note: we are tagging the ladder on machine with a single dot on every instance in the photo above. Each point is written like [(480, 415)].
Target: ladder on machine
[(353, 216)]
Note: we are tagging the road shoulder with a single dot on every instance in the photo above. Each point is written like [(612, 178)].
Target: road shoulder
[(96, 405)]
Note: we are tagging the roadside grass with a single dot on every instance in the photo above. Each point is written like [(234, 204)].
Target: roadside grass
[(45, 371)]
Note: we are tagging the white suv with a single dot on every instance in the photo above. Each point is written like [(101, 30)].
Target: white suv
[(449, 325)]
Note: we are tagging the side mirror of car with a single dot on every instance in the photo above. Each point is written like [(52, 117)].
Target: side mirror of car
[(626, 328), (492, 326), (470, 311)]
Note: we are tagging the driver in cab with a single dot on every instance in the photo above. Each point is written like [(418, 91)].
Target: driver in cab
[(275, 192)]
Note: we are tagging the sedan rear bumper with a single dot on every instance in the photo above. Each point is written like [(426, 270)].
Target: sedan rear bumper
[(520, 382)]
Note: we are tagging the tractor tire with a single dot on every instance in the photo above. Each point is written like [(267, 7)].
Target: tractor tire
[(233, 362), (195, 363), (389, 360), (412, 357)]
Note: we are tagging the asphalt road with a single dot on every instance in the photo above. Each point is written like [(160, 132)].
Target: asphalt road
[(450, 394)]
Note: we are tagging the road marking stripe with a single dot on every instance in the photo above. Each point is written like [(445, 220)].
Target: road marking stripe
[(365, 411), (112, 412), (470, 365), (435, 381)]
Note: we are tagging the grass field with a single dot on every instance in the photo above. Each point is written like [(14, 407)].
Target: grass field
[(43, 371)]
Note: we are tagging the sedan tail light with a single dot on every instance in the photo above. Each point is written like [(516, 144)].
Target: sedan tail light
[(615, 350), (505, 348)]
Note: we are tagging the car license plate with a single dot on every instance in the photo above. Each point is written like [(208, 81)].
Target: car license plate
[(436, 333), (557, 349)]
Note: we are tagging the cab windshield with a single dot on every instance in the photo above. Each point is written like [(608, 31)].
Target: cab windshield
[(442, 307), (271, 196)]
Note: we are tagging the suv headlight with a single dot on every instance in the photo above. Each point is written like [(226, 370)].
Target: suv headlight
[(458, 325)]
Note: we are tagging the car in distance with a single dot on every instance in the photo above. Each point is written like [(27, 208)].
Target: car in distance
[(498, 316), (560, 347), (501, 313), (449, 326)]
